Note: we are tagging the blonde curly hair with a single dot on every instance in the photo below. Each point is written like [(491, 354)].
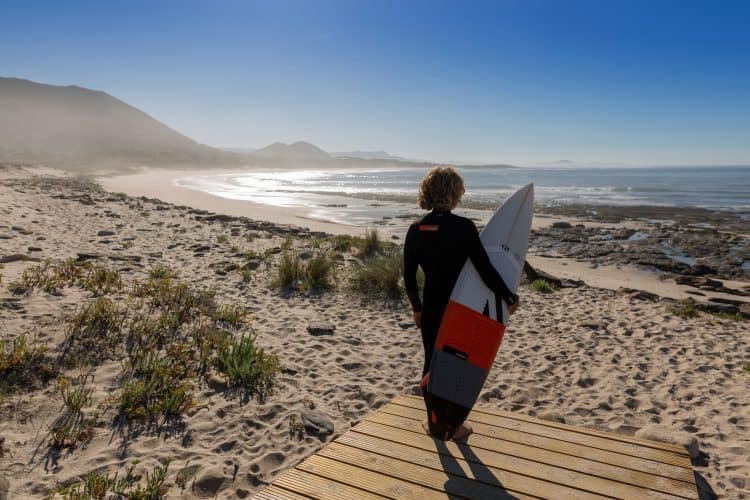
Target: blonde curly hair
[(441, 189)]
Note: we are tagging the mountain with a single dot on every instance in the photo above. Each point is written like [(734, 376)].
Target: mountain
[(367, 155), (72, 125), (299, 150)]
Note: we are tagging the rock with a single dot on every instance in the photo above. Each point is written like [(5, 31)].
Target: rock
[(305, 255), (405, 325), (701, 270), (84, 256), (16, 257), (126, 258), (252, 265), (594, 325), (34, 249), (209, 481), (643, 295), (665, 434), (22, 230), (218, 218), (201, 248), (215, 381), (566, 283), (623, 233), (536, 274), (106, 233), (4, 488), (317, 423), (561, 225), (744, 310), (552, 416), (713, 307), (6, 236), (320, 328)]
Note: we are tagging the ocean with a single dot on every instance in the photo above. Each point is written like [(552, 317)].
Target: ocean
[(358, 196)]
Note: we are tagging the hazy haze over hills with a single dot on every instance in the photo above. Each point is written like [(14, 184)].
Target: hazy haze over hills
[(73, 125), (70, 126)]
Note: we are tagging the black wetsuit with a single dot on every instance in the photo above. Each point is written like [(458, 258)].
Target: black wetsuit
[(440, 243)]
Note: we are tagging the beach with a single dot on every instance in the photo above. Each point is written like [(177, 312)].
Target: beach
[(610, 347)]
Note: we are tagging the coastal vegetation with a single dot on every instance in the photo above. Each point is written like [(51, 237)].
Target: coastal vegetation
[(542, 286)]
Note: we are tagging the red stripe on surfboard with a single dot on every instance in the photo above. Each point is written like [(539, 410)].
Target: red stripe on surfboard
[(471, 332)]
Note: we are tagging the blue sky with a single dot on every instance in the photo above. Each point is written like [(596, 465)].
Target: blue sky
[(639, 82)]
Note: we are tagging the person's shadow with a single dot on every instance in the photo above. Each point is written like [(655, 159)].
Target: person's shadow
[(480, 472)]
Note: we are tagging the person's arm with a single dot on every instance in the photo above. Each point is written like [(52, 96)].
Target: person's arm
[(410, 270), (486, 270)]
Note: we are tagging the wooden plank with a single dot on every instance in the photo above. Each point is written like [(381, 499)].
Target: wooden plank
[(457, 465), (495, 453), (415, 402), (436, 479), (616, 460), (273, 492), (309, 485), (600, 440), (373, 482)]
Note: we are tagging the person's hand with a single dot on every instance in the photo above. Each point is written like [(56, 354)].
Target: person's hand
[(512, 308), (417, 318)]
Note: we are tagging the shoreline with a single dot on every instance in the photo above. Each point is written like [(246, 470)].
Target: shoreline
[(160, 184)]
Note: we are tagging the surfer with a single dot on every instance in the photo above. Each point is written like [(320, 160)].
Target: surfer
[(440, 243)]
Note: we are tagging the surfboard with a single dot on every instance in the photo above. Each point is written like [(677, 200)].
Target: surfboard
[(474, 321)]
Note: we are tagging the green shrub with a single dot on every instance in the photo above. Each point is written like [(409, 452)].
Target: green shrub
[(162, 271), (542, 286), (230, 316), (222, 238), (318, 272), (101, 280), (685, 309), (345, 242), (42, 276), (247, 366), (157, 383), (98, 486), (380, 275), (371, 245), (93, 332), (290, 273), (71, 428), (23, 364)]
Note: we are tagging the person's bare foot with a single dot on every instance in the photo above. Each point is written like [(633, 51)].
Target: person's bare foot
[(462, 432)]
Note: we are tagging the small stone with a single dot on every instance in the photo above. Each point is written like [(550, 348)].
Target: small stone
[(594, 325), (16, 257), (252, 265), (320, 328), (34, 249), (201, 248), (317, 423), (106, 233), (665, 434), (209, 481), (561, 225), (215, 381), (84, 256), (405, 325), (552, 416), (305, 255)]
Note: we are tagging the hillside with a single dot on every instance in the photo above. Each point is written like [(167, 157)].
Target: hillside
[(72, 125)]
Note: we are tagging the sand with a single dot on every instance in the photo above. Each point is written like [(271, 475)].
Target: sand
[(592, 356)]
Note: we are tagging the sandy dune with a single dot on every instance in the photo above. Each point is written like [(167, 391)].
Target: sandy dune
[(590, 356)]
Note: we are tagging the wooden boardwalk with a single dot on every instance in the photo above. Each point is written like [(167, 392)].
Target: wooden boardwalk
[(388, 455)]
